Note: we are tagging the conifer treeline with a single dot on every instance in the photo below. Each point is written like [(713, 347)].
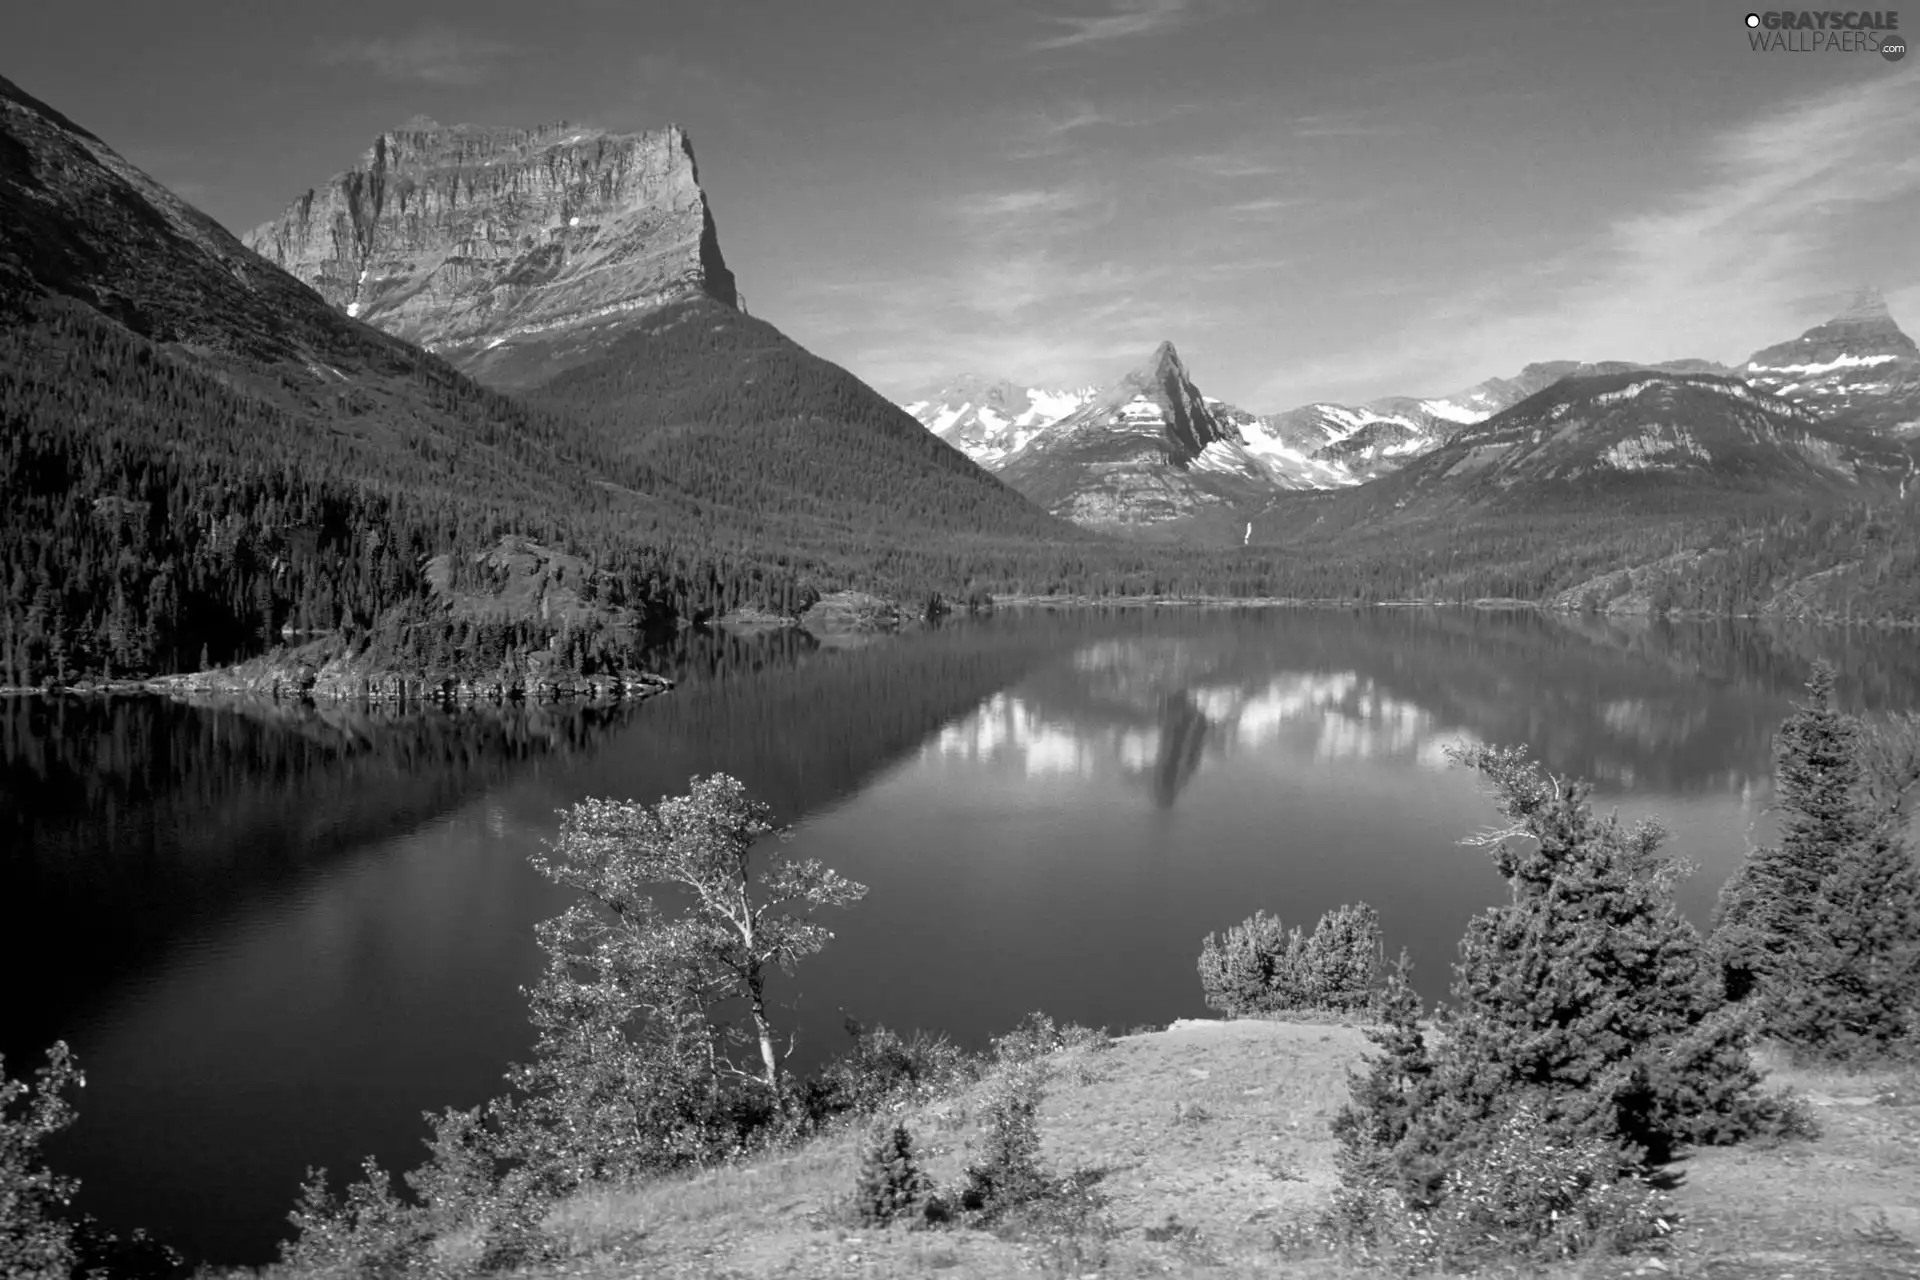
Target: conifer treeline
[(156, 515)]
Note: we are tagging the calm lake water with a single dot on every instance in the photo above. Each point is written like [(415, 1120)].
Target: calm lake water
[(274, 939)]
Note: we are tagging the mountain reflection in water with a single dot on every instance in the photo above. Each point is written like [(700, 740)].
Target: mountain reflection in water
[(280, 934)]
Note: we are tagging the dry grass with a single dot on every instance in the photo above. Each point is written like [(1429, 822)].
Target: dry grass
[(1844, 1206), (1210, 1142)]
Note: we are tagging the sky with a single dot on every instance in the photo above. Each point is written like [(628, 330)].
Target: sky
[(1325, 202)]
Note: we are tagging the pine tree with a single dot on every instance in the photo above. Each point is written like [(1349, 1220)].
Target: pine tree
[(1009, 1173), (1821, 932), (1397, 1087), (1588, 987), (890, 1184)]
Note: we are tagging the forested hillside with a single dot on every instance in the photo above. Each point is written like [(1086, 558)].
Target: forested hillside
[(732, 412)]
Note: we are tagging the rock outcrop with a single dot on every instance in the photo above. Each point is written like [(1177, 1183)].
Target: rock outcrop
[(513, 253)]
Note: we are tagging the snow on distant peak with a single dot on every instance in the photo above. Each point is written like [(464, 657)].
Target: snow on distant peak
[(1840, 362), (1453, 411), (989, 420)]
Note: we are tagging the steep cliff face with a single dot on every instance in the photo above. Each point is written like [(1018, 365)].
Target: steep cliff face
[(513, 253)]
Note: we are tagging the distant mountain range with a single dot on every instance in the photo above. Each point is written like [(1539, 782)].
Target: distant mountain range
[(1116, 458)]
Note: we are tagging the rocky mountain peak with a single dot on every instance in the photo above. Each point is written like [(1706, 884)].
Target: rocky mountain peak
[(513, 252), (1858, 364), (1867, 304)]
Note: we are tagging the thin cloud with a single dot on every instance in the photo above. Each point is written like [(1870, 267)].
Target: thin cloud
[(436, 56), (1024, 204), (1125, 19), (1265, 209), (1354, 124), (1227, 165), (1718, 271), (1024, 292), (1052, 131)]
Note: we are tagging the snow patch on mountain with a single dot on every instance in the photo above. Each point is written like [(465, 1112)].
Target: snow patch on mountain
[(1828, 366)]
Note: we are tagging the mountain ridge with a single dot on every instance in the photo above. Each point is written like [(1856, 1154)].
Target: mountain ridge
[(1858, 367)]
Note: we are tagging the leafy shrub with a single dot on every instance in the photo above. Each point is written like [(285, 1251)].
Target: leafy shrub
[(369, 1232), (38, 1236), (472, 1211), (882, 1070), (35, 1241), (1037, 1036), (1527, 1193), (890, 1185), (1260, 966)]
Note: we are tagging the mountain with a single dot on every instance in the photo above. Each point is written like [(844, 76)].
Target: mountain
[(990, 418), (1152, 455), (512, 253), (747, 422), (201, 457), (1319, 446), (1372, 439), (1637, 438), (1858, 365)]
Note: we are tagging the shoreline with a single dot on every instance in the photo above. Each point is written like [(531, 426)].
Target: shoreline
[(266, 680), (388, 690), (1484, 604)]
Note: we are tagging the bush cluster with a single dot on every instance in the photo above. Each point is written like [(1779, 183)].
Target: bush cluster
[(884, 1071), (1527, 1193), (1006, 1182), (1260, 966)]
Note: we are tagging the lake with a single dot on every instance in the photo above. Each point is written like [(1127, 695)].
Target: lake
[(275, 937)]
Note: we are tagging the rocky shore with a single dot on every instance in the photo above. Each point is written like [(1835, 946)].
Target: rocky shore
[(300, 675)]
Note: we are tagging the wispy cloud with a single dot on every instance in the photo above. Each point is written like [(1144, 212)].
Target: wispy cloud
[(1027, 288), (1716, 270), (434, 55), (1124, 19), (1017, 246), (1265, 209), (1370, 123), (1055, 130), (1229, 165)]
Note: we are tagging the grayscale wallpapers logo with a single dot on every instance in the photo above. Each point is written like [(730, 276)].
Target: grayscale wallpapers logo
[(1828, 31)]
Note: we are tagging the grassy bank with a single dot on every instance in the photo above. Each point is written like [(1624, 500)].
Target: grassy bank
[(1210, 1152)]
